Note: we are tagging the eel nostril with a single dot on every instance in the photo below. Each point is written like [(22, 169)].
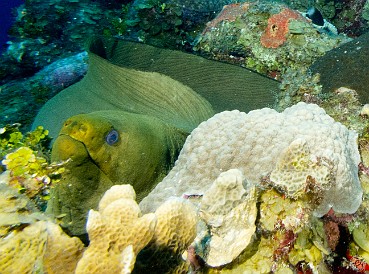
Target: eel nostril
[(67, 123), (82, 128)]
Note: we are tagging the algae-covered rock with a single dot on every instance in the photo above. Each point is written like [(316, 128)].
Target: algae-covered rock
[(342, 67), (267, 37)]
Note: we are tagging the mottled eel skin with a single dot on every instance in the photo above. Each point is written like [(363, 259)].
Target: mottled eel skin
[(127, 119)]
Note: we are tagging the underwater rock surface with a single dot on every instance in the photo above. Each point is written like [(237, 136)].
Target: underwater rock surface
[(267, 37), (346, 66)]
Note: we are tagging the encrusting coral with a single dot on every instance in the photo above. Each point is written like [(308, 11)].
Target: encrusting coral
[(295, 165), (118, 233), (254, 142), (277, 29), (41, 247), (230, 213)]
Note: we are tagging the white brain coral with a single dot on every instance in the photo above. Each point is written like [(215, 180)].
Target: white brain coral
[(255, 142)]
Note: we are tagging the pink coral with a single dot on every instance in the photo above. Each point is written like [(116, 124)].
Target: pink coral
[(229, 13), (277, 29)]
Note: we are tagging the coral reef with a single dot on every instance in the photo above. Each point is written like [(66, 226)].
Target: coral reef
[(297, 167), (21, 100), (11, 138), (16, 210), (149, 116), (287, 237), (229, 13), (233, 139), (172, 23), (36, 43), (230, 214), (40, 247), (118, 233), (350, 17), (267, 37), (116, 226), (26, 162)]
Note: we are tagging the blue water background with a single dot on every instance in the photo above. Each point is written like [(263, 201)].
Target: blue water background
[(6, 19)]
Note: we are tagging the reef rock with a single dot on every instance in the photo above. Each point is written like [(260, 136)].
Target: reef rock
[(343, 67), (254, 143), (267, 37)]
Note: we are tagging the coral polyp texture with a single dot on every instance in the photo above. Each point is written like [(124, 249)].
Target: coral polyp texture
[(229, 211), (41, 247), (255, 142), (112, 230), (118, 232)]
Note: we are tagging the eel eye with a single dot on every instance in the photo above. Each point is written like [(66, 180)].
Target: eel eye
[(112, 137)]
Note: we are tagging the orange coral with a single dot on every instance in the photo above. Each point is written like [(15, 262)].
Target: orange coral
[(277, 29), (229, 13)]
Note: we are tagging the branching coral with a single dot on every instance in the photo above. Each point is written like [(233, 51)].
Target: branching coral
[(118, 233)]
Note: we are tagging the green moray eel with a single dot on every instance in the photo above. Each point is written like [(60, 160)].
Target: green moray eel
[(106, 148), (127, 119)]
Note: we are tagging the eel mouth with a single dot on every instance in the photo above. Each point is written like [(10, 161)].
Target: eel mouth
[(66, 147)]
